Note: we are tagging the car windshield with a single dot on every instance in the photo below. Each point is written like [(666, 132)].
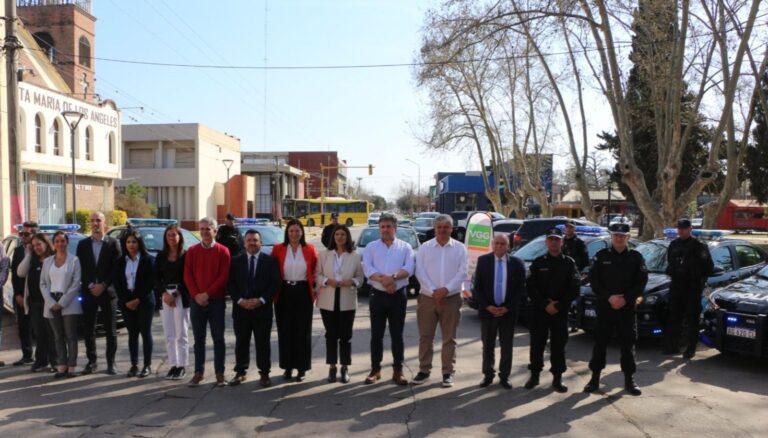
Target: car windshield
[(535, 248), (270, 236), (424, 222), (655, 255), (370, 234)]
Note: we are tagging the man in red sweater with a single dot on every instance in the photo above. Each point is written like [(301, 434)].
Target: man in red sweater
[(206, 272)]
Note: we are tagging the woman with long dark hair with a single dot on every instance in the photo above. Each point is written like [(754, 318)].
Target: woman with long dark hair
[(134, 282), (60, 287), (34, 304), (169, 285), (339, 274), (293, 303)]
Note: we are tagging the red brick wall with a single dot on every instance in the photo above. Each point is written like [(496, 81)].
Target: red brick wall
[(310, 162)]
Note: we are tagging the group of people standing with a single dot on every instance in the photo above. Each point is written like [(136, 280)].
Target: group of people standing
[(54, 290)]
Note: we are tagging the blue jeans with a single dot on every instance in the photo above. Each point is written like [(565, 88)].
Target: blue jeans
[(201, 317)]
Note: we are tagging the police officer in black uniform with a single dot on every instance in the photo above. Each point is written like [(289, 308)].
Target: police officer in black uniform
[(552, 286), (327, 237), (574, 247), (618, 278), (689, 265)]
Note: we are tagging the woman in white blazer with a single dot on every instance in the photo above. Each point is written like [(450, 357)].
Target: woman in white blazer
[(338, 275), (60, 287)]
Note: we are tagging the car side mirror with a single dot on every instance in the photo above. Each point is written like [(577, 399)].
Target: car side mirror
[(718, 271)]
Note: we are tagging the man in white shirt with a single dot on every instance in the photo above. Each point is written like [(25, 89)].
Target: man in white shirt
[(388, 263), (441, 268)]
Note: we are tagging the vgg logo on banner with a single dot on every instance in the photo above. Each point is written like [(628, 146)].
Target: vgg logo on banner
[(478, 237)]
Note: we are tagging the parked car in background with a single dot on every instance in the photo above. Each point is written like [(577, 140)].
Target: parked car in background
[(507, 226), (734, 318), (373, 218), (533, 228), (460, 221), (407, 234), (428, 214), (152, 231), (734, 260), (271, 235), (424, 226)]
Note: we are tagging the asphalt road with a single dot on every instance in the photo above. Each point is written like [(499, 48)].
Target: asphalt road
[(712, 395)]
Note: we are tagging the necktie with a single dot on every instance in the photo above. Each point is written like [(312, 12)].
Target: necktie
[(251, 274), (498, 294)]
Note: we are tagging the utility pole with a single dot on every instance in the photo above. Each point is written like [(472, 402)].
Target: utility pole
[(10, 46)]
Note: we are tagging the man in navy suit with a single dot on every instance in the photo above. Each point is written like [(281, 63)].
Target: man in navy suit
[(98, 257), (253, 280), (499, 284)]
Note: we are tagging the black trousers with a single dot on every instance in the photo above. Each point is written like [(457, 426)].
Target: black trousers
[(256, 323), (624, 324), (386, 308), (293, 312), (108, 307), (45, 347), (25, 335), (338, 333), (139, 323), (544, 326), (684, 308), (503, 329)]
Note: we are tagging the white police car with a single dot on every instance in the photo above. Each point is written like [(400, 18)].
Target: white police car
[(271, 235), (152, 232)]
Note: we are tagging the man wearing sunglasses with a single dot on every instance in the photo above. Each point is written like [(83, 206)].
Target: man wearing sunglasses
[(28, 231)]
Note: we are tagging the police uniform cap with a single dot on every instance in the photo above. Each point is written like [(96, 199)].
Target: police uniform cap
[(554, 232), (619, 229), (683, 224), (570, 223), (334, 215)]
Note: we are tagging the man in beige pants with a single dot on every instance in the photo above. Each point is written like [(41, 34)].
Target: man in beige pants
[(441, 268)]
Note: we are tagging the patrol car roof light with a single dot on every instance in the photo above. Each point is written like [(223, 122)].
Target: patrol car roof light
[(586, 230), (140, 222), (52, 227), (251, 220), (671, 233)]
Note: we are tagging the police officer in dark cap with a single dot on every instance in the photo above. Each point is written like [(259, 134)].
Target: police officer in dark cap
[(574, 247), (618, 278), (327, 237), (552, 286), (229, 236), (689, 264)]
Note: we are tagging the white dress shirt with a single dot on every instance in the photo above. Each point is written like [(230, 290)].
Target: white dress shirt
[(388, 260), (131, 266), (294, 268), (441, 266)]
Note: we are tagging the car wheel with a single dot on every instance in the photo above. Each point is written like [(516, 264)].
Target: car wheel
[(349, 222), (311, 223)]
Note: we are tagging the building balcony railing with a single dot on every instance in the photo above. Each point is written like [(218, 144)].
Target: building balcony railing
[(85, 5)]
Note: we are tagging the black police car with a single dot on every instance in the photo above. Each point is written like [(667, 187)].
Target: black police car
[(735, 319), (734, 260)]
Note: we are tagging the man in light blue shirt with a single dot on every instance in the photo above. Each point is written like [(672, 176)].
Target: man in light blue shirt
[(387, 264)]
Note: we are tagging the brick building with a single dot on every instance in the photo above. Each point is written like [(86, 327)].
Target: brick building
[(334, 179)]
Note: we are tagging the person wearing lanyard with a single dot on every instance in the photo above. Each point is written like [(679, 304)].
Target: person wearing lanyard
[(134, 282), (293, 303), (169, 285), (31, 268), (441, 268), (339, 274), (253, 280), (60, 286), (388, 263)]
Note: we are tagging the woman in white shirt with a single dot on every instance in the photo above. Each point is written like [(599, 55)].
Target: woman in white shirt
[(60, 287), (339, 274)]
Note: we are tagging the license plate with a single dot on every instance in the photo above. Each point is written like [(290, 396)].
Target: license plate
[(590, 313), (741, 332)]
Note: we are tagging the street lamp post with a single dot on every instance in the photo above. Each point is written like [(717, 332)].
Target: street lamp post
[(73, 119), (418, 184), (227, 163)]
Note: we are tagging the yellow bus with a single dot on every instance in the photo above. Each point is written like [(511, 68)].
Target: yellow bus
[(351, 211)]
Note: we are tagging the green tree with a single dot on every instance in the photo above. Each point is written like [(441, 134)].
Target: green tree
[(133, 201)]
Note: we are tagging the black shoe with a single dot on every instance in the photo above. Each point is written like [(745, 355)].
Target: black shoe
[(332, 375), (688, 355), (447, 380), (301, 376), (506, 383), (631, 386), (23, 361), (133, 372), (670, 352), (486, 382), (239, 378), (420, 378), (533, 381), (90, 367), (557, 384), (111, 370), (2, 364), (288, 374), (181, 372), (171, 373), (36, 368), (344, 374), (594, 383), (146, 371), (61, 374)]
